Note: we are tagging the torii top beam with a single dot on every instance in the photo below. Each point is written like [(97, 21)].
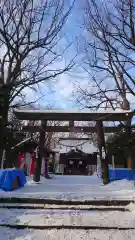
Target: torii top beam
[(61, 115)]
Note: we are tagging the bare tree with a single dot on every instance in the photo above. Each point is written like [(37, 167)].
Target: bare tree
[(109, 52), (30, 44)]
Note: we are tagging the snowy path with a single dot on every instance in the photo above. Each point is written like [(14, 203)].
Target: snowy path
[(67, 217), (8, 234), (62, 218), (69, 188), (74, 188)]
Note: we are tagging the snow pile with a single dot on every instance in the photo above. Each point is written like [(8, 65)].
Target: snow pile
[(121, 184), (131, 207)]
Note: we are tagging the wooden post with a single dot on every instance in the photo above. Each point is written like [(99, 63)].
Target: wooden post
[(105, 171), (130, 161), (113, 165), (101, 146), (130, 157), (41, 152)]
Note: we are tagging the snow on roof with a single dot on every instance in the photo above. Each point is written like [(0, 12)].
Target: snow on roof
[(73, 111), (21, 143), (73, 115), (120, 111)]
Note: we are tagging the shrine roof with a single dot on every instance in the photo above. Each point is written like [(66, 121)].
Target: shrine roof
[(27, 141), (74, 115)]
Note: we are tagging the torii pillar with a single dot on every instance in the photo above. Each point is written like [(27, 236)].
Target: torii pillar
[(101, 147), (38, 164), (131, 153)]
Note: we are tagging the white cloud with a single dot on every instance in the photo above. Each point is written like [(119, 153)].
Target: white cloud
[(64, 86)]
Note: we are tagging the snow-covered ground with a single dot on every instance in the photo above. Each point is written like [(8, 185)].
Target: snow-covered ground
[(67, 218), (78, 218), (74, 188), (69, 188), (8, 234)]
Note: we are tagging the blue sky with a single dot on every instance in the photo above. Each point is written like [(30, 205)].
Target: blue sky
[(58, 92)]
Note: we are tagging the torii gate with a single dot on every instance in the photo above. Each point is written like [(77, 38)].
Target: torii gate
[(71, 116)]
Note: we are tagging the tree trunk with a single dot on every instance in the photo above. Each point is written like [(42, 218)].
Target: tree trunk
[(125, 104), (4, 121), (130, 158), (9, 161)]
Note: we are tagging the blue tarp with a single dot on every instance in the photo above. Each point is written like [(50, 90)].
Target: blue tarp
[(121, 173), (8, 176)]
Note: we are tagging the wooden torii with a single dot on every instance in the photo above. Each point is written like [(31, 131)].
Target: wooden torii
[(78, 129), (71, 116)]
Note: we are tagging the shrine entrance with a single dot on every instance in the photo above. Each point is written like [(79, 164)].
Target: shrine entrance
[(77, 162), (71, 117), (76, 167)]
